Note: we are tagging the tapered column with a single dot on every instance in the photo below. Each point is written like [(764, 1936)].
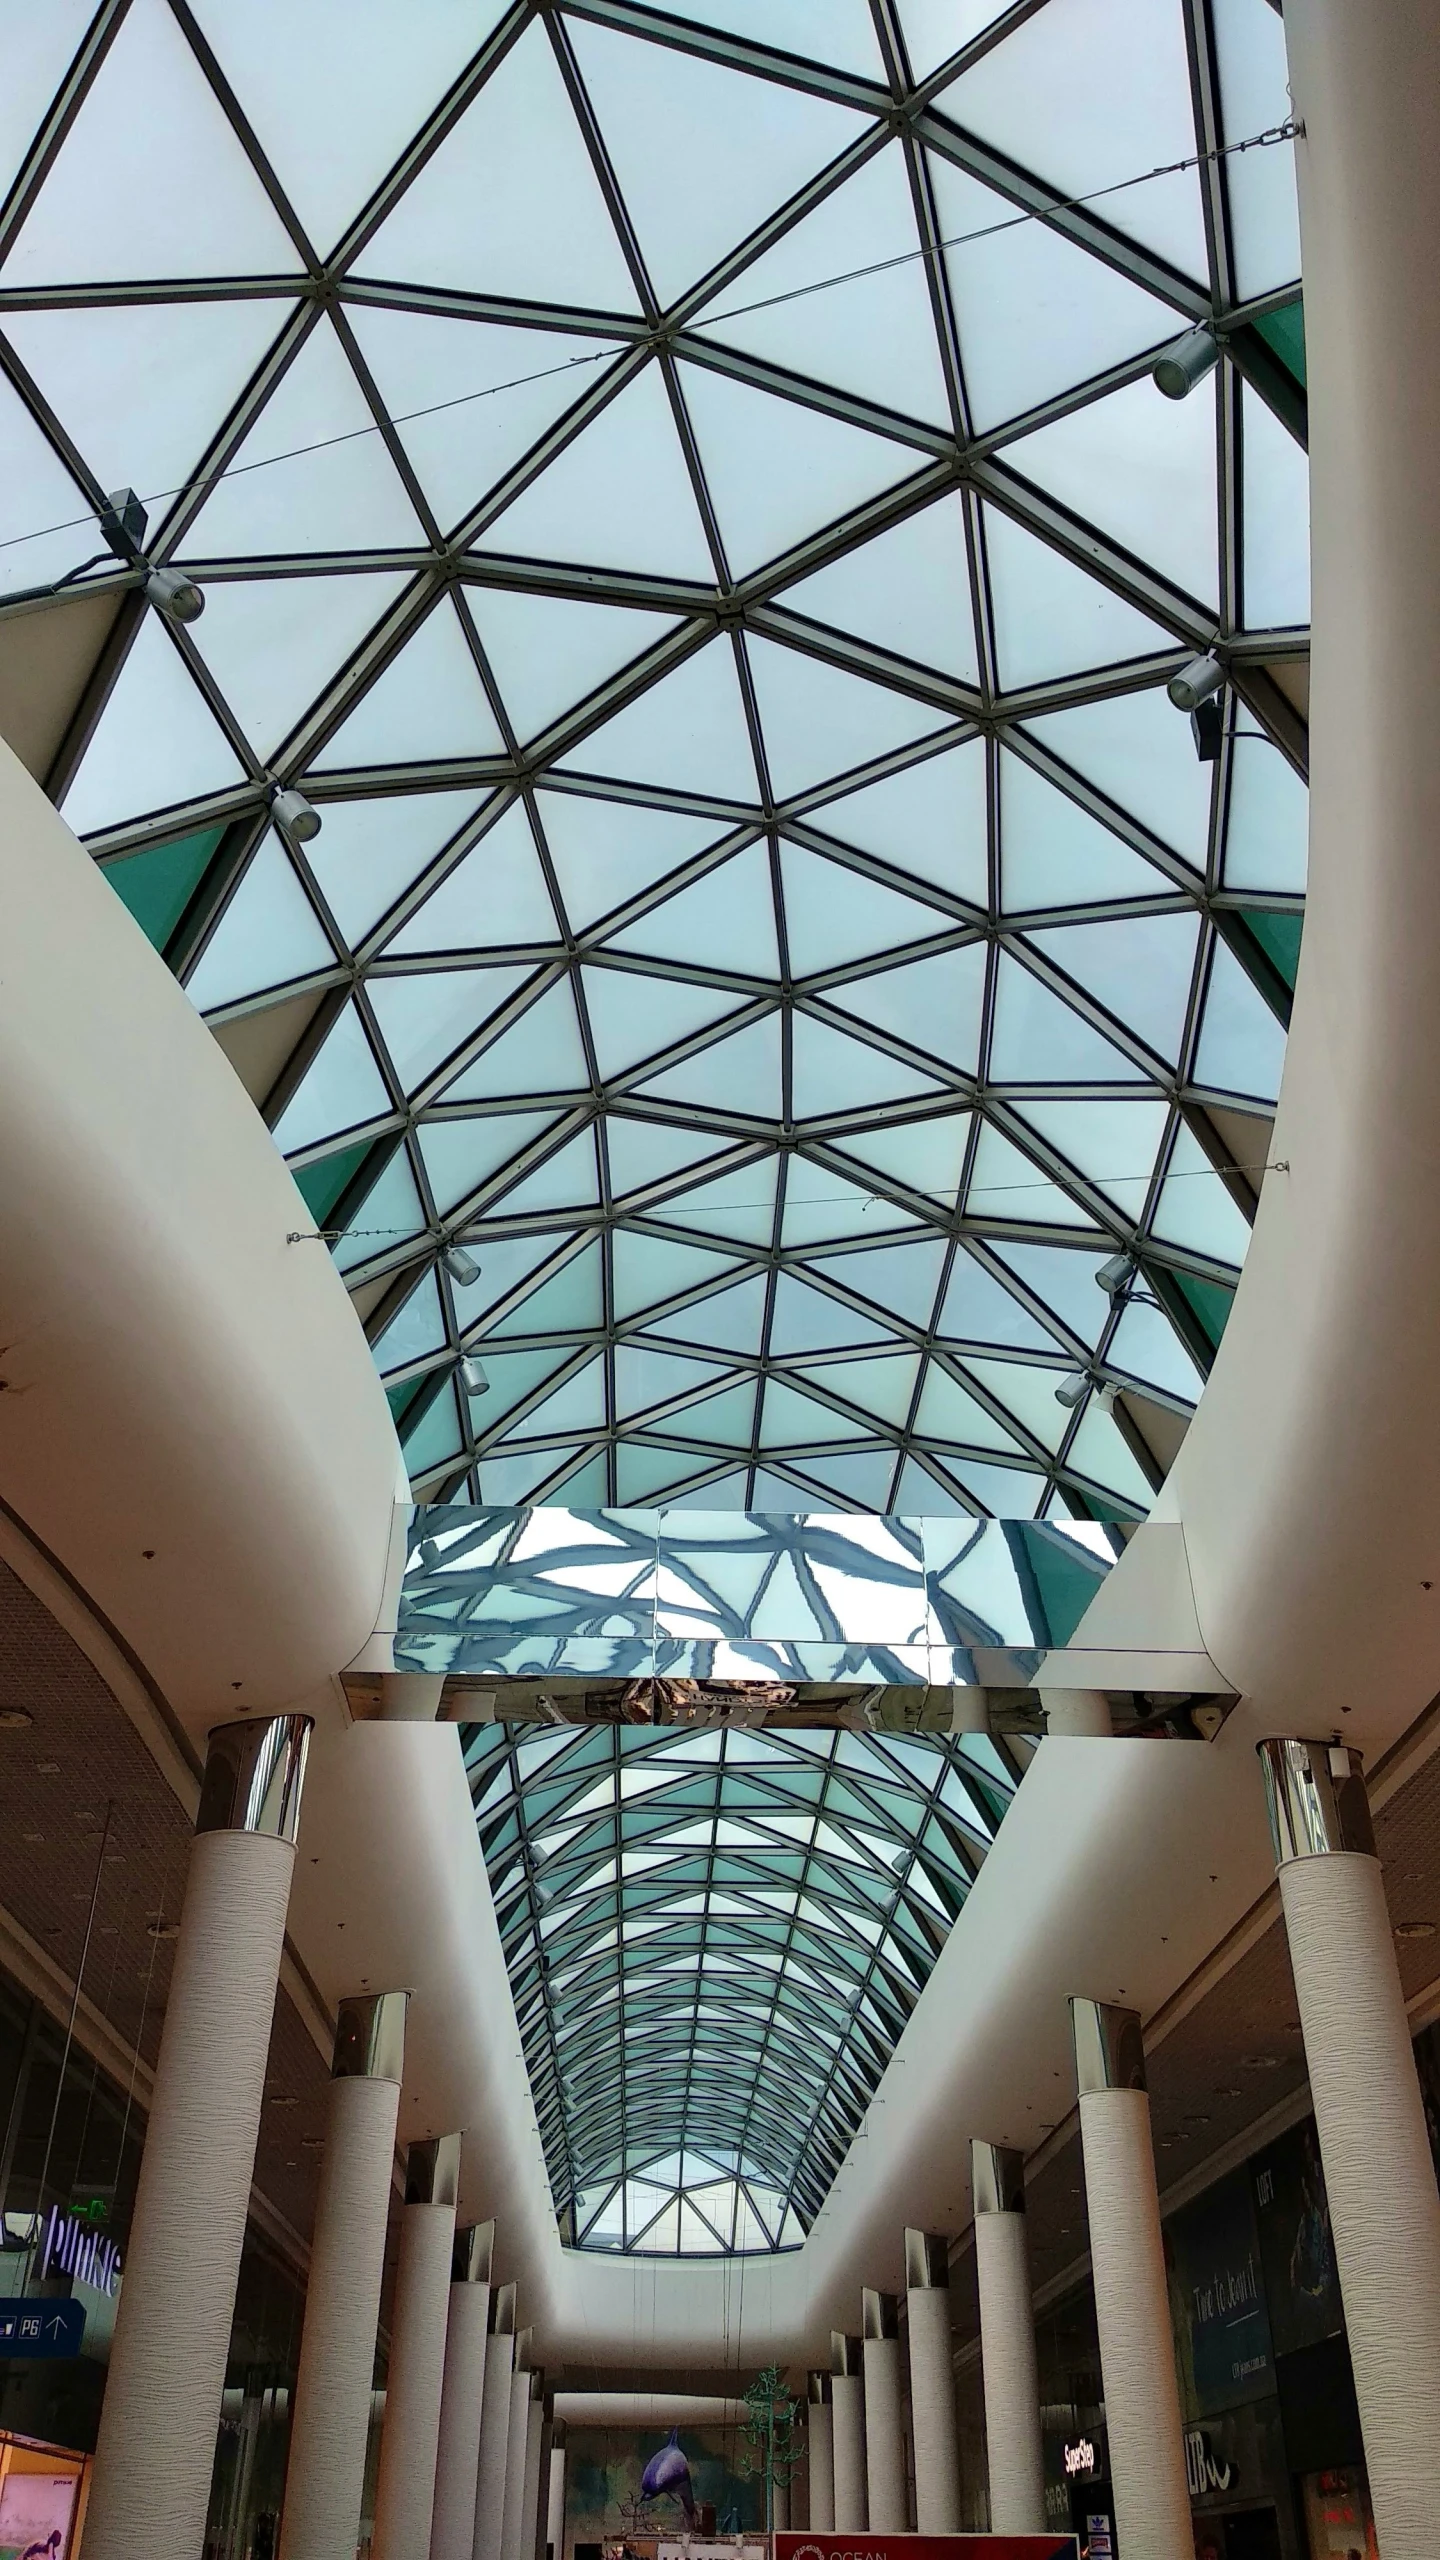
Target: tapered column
[(554, 2543), (1007, 2342), (405, 2491), (1379, 2176), (457, 2453), (1132, 2309), (932, 2384), (820, 2453), (495, 2426), (847, 2432), (512, 2514), (156, 2451), (326, 2478), (885, 2499), (536, 2447)]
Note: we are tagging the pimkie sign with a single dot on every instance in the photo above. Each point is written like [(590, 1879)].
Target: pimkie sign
[(926, 2546)]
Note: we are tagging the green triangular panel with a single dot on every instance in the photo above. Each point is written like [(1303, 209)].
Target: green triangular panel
[(1278, 935), (158, 884), (1058, 1576), (1210, 1301), (1284, 334), (321, 1184)]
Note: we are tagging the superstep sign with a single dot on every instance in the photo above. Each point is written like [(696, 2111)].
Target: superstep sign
[(926, 2546)]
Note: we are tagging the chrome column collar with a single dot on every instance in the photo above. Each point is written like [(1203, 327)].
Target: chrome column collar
[(432, 2170), (370, 2037), (254, 1777), (879, 2314), (1109, 2053), (997, 2178), (844, 2353), (927, 2262), (817, 2389), (473, 2254), (1317, 1802)]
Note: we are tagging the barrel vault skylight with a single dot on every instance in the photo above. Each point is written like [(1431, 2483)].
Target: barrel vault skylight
[(685, 501)]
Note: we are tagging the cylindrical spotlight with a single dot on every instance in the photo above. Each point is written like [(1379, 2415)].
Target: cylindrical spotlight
[(175, 594), (1195, 683), (292, 811), (1177, 371)]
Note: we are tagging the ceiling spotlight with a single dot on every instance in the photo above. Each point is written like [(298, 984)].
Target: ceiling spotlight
[(175, 594), (1115, 1276), (1177, 371), (473, 1378), (462, 1267), (1071, 1390), (1195, 683), (291, 810)]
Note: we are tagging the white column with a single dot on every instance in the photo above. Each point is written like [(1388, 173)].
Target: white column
[(495, 2426), (535, 2449), (780, 2506), (325, 2481), (555, 2501), (1076, 1711), (886, 2505), (847, 2432), (819, 2454), (1007, 2342), (156, 2452), (1132, 2308), (409, 2443), (457, 2454), (513, 2511), (1369, 2117), (932, 2384)]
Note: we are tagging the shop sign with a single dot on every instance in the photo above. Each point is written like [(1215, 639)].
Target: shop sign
[(68, 2248), (1217, 2298), (1203, 2473), (925, 2546), (1080, 2460)]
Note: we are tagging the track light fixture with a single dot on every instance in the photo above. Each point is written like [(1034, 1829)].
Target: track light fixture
[(175, 594), (1115, 1276), (1071, 1390), (291, 810), (473, 1378), (1187, 362), (1195, 683), (461, 1266)]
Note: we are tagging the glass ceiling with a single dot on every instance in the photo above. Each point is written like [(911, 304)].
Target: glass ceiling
[(765, 899)]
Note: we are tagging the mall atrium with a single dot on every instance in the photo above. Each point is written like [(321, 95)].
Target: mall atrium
[(719, 1358)]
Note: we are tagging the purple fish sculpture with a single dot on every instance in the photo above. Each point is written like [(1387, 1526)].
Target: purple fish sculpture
[(667, 2475)]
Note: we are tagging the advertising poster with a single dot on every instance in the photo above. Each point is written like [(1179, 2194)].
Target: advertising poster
[(1217, 2299), (35, 2509), (1296, 2252), (925, 2546), (605, 2474)]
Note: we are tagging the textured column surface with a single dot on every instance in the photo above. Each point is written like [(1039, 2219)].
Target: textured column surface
[(494, 2442), (1132, 2312), (409, 2444), (326, 2477), (847, 2424), (513, 2511), (156, 2451), (886, 2504), (820, 2467), (1009, 2373), (457, 2451), (534, 2455), (780, 2506), (1380, 2180), (932, 2390), (555, 2500)]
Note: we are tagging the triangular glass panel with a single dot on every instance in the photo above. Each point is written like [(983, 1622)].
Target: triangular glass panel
[(979, 1308), (461, 1154), (427, 1013), (40, 45), (114, 207), (688, 733), (724, 1421), (1137, 749), (744, 1071), (807, 1320), (157, 742), (436, 1437), (934, 29), (782, 1491), (820, 1208), (924, 1155), (644, 1378), (1195, 1208), (726, 920), (1010, 1188), (565, 1181), (364, 98), (1037, 1038), (1064, 1282), (1087, 95), (157, 885), (863, 1478), (934, 1004), (1037, 315), (389, 1212), (1267, 825), (605, 852), (633, 1017), (495, 894), (899, 1279), (1027, 1393), (641, 1473), (427, 705), (418, 1328), (882, 1387), (618, 497), (818, 720), (571, 1301), (1054, 854), (644, 1152), (1277, 521), (577, 1406), (793, 1420), (831, 1073), (514, 1375), (1260, 185), (368, 852), (1142, 469), (702, 153), (586, 1487), (731, 1320), (469, 398), (651, 1268), (1102, 1457), (341, 1089), (920, 1493), (947, 1412), (740, 1205), (84, 362), (508, 1261), (547, 652), (929, 819), (41, 496), (908, 590), (844, 34), (1113, 1144), (313, 473), (1049, 618), (777, 470), (268, 934), (504, 1480), (1145, 1345), (873, 334), (1242, 1045), (510, 203), (273, 644), (1139, 967), (1007, 1493), (541, 1053), (834, 915)]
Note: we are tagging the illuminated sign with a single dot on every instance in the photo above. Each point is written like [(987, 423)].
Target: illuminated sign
[(1080, 2460), (1202, 2472), (70, 2249)]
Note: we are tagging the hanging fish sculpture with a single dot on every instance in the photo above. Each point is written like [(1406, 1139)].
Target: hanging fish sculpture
[(667, 2475)]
